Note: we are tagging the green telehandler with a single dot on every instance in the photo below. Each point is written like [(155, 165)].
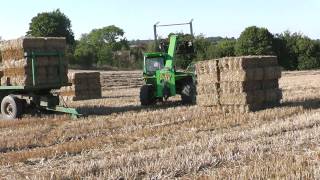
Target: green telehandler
[(162, 80)]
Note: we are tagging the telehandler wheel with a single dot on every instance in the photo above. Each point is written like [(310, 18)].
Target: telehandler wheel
[(188, 93), (146, 95), (11, 107)]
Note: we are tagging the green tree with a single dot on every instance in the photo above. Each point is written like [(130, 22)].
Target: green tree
[(185, 52), (307, 54), (255, 41), (51, 24), (202, 46), (98, 46), (137, 55), (305, 63), (85, 53), (226, 48), (296, 51), (105, 56), (286, 58), (111, 35)]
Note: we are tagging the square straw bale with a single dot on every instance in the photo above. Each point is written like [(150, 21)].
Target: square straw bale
[(206, 67), (240, 86), (207, 89), (207, 78), (273, 96), (255, 97), (273, 72), (207, 100), (270, 84), (247, 62), (255, 74)]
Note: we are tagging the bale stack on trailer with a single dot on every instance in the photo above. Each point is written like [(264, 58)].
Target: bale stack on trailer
[(85, 85), (33, 68), (18, 58), (244, 83)]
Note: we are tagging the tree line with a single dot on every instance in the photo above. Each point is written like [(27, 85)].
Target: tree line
[(108, 48), (295, 51)]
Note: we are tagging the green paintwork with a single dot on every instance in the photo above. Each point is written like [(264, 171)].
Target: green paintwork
[(51, 103), (33, 55), (34, 69), (73, 112), (12, 87), (33, 88), (165, 78), (168, 76), (171, 52)]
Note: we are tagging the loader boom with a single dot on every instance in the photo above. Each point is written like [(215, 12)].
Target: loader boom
[(171, 52)]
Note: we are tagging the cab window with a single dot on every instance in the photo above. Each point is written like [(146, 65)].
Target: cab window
[(154, 64)]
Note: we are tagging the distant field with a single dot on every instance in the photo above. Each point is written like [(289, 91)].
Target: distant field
[(121, 139)]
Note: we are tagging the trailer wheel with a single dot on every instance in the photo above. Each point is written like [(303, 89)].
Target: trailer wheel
[(188, 93), (146, 95), (11, 107)]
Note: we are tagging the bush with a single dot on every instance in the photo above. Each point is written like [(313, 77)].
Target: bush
[(255, 41)]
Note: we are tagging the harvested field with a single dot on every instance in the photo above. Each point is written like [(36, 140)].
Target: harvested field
[(121, 139)]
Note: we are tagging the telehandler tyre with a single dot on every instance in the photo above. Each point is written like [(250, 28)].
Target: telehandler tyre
[(188, 93), (146, 95)]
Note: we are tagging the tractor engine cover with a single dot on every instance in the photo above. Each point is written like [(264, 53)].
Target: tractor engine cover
[(165, 83)]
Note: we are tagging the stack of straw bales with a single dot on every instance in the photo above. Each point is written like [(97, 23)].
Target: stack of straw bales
[(112, 80), (84, 86), (17, 68), (243, 84), (207, 83)]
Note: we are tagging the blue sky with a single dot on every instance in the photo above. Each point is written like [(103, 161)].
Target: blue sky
[(211, 17)]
